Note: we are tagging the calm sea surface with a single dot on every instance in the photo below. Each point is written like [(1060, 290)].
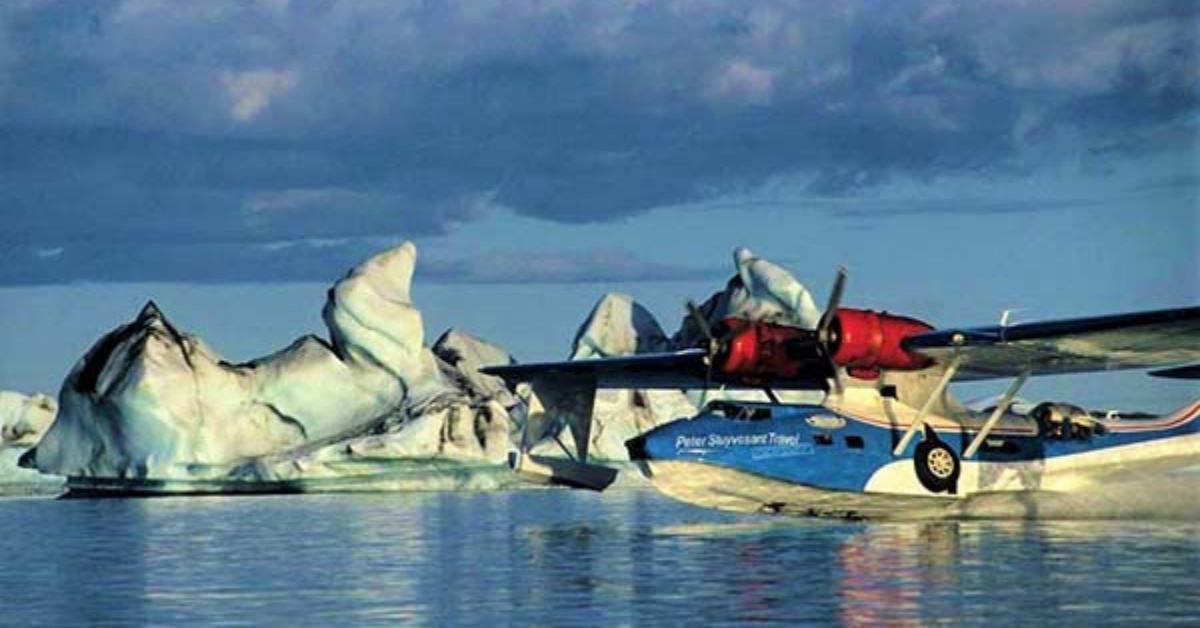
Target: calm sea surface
[(550, 558)]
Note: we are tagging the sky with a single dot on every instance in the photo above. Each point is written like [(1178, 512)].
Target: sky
[(231, 159)]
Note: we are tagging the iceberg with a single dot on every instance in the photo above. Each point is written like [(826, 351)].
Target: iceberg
[(23, 420), (153, 408), (619, 326), (616, 326), (456, 439), (760, 290), (150, 403)]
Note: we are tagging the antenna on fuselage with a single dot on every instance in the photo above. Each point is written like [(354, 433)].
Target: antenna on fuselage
[(1005, 314)]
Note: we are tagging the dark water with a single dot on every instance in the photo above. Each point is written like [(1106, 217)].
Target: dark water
[(548, 558)]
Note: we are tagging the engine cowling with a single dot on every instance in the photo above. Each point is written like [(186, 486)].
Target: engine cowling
[(863, 340), (766, 351)]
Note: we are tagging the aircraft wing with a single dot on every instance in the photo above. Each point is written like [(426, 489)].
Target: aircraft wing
[(567, 392), (1162, 338), (682, 369), (678, 369)]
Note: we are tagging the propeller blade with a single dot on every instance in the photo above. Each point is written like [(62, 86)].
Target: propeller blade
[(726, 332), (701, 322), (707, 382), (835, 299), (824, 328), (714, 346)]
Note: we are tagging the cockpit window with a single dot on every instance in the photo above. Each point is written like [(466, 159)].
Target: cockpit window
[(719, 408), (738, 412), (1063, 421), (758, 414)]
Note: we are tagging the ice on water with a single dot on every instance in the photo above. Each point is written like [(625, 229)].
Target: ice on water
[(150, 401), (23, 420)]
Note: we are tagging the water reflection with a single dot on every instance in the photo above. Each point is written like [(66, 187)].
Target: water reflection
[(101, 528), (562, 558), (907, 574), (885, 569)]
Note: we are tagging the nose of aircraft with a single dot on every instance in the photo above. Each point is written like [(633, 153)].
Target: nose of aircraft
[(637, 448)]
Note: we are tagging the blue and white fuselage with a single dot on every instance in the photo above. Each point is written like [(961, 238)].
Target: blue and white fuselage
[(888, 439), (842, 461)]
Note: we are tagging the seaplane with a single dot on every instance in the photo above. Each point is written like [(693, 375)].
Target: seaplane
[(886, 439)]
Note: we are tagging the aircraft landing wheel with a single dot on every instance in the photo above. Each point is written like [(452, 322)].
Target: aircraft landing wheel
[(937, 466)]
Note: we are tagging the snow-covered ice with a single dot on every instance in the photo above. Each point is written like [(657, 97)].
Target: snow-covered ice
[(23, 420), (618, 326), (152, 402), (759, 290)]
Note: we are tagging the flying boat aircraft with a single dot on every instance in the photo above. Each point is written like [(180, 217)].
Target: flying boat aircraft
[(888, 439)]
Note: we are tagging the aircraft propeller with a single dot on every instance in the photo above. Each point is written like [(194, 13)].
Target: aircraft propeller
[(826, 334), (714, 346)]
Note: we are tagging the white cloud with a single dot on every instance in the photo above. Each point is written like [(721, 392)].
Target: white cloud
[(918, 76), (740, 81), (134, 9), (314, 243), (1079, 48), (298, 198), (249, 93), (402, 116)]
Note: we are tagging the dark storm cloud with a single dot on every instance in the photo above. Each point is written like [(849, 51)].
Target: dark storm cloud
[(199, 133)]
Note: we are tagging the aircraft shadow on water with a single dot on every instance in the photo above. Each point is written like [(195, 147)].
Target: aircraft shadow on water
[(888, 440)]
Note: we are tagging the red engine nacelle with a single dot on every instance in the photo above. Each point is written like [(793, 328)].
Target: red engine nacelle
[(864, 340), (768, 351)]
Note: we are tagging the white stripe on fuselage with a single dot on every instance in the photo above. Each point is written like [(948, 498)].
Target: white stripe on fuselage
[(724, 488), (1059, 473)]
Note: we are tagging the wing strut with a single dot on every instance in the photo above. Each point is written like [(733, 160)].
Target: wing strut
[(570, 401), (919, 420), (1001, 408)]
